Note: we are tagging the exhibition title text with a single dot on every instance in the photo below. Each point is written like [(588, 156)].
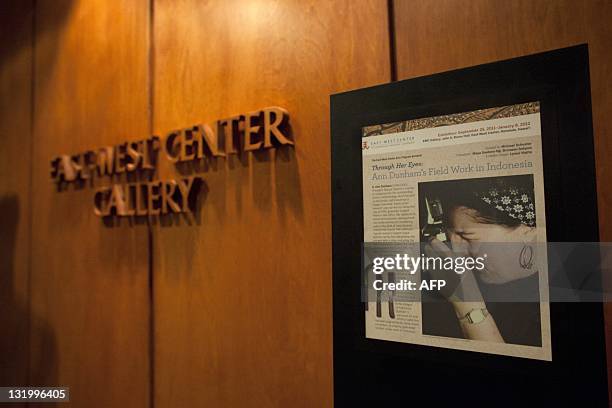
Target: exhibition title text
[(401, 170)]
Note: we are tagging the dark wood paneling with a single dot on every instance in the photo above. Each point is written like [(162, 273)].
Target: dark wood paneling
[(15, 149), (435, 36), (90, 283), (243, 296)]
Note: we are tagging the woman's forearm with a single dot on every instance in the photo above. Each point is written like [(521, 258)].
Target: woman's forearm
[(485, 329)]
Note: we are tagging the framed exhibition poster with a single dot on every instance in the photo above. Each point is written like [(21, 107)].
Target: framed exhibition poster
[(484, 169), (468, 177)]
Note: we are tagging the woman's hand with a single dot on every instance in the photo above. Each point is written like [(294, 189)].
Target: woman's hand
[(459, 286), (463, 293)]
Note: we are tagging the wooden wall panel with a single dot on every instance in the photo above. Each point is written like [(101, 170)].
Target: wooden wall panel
[(243, 295), (15, 149), (90, 283), (435, 36)]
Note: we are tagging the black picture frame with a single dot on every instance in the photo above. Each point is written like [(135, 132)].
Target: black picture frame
[(368, 371)]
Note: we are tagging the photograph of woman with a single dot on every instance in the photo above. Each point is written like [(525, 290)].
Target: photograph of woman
[(494, 218)]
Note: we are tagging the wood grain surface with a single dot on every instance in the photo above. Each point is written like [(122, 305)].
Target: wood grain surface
[(243, 293), (15, 152), (440, 35), (90, 282)]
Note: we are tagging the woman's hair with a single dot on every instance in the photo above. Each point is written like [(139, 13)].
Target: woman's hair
[(484, 213), (475, 194)]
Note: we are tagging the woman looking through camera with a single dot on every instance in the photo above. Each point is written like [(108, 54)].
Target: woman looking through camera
[(495, 219)]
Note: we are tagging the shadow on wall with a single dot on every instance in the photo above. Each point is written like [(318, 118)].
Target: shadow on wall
[(17, 321), (18, 15)]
